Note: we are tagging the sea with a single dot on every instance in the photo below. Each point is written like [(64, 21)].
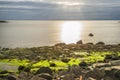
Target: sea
[(35, 33)]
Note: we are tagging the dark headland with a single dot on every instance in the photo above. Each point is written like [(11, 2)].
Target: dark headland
[(3, 21)]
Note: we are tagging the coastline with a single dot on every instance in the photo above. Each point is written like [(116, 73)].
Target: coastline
[(61, 58)]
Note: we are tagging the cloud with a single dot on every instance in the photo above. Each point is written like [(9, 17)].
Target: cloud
[(17, 6), (59, 9)]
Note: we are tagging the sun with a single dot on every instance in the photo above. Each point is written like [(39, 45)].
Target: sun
[(71, 32)]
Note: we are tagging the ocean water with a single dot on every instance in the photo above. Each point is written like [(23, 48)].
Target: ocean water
[(45, 33)]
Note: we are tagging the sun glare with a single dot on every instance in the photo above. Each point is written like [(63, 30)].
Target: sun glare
[(71, 32), (69, 3)]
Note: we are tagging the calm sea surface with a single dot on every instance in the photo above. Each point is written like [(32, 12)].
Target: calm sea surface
[(43, 33)]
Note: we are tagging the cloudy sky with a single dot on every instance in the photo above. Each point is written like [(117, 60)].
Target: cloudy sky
[(59, 9)]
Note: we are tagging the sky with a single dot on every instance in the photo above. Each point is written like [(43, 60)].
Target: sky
[(59, 9)]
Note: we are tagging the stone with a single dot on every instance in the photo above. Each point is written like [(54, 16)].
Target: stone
[(117, 74), (21, 68), (100, 65), (100, 43), (76, 70), (52, 65), (44, 70), (95, 74), (60, 44), (68, 77), (90, 78), (23, 75), (108, 78), (83, 64), (115, 63), (66, 60), (91, 35), (12, 77), (45, 76), (89, 43), (79, 42), (37, 78)]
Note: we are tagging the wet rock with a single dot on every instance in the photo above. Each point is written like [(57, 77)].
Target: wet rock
[(90, 78), (115, 63), (76, 70), (37, 78), (23, 75), (89, 43), (44, 70), (4, 72), (66, 60), (100, 65), (52, 65), (60, 44), (68, 77), (95, 74), (107, 78), (79, 42), (45, 76), (100, 43), (83, 64), (21, 68), (108, 58), (12, 77), (117, 74), (91, 35), (114, 74)]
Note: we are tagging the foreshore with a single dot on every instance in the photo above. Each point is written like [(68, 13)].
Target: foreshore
[(62, 62)]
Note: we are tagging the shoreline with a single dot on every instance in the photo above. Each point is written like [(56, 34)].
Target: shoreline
[(62, 61)]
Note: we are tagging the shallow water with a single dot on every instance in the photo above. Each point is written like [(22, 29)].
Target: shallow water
[(43, 33)]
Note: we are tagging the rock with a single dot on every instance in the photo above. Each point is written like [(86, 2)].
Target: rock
[(89, 43), (37, 78), (114, 74), (12, 77), (115, 63), (60, 44), (100, 65), (21, 68), (44, 70), (108, 58), (66, 60), (23, 75), (91, 35), (95, 74), (68, 77), (79, 42), (100, 43), (45, 76), (117, 74), (4, 72), (52, 65), (76, 70), (90, 78), (83, 64), (108, 78)]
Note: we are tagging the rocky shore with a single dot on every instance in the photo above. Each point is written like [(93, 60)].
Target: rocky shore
[(62, 62)]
